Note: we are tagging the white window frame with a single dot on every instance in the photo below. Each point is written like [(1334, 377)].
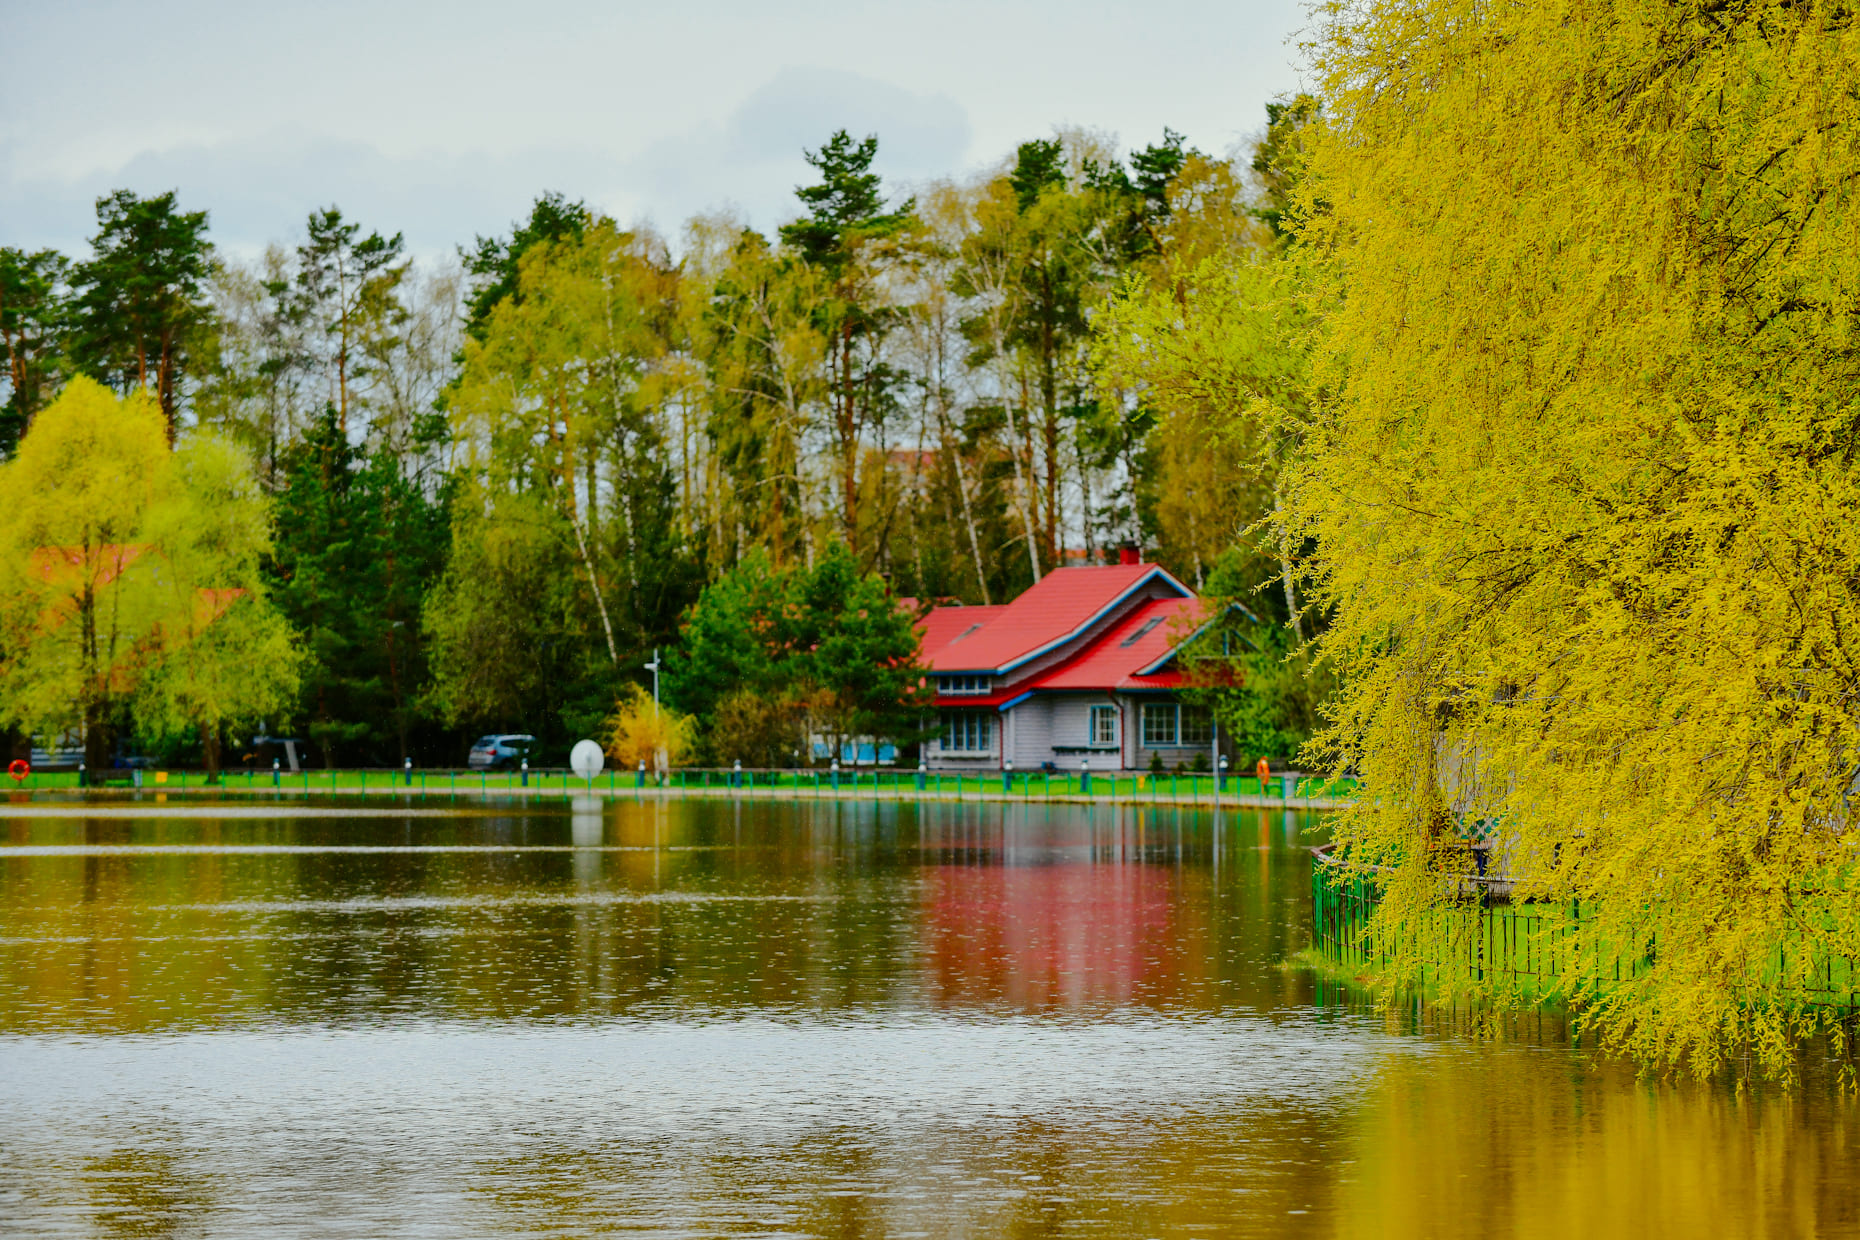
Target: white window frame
[(965, 685), (1154, 712), (968, 731), (1101, 727)]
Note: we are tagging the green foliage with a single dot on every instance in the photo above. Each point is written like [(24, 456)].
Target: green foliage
[(1266, 688), (141, 295), (828, 645), (765, 355), (843, 242), (735, 637), (1279, 160), (33, 314), (569, 565), (513, 645), (347, 289), (493, 262), (359, 544), (845, 208)]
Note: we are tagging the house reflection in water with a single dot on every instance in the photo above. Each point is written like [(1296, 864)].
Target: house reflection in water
[(1043, 923)]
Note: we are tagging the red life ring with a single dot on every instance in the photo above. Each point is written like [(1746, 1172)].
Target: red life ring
[(19, 769)]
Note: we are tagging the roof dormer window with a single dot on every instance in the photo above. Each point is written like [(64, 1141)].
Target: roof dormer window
[(1138, 636), (966, 684)]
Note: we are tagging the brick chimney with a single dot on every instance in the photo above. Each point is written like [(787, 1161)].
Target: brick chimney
[(1128, 554)]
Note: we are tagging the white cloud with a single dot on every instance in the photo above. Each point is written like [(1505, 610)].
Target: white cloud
[(447, 119)]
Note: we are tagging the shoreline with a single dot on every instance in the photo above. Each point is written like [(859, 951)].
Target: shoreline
[(557, 792)]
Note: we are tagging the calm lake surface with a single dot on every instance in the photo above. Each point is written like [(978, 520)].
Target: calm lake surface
[(846, 1020)]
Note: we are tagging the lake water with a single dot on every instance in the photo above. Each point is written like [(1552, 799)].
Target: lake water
[(847, 1020)]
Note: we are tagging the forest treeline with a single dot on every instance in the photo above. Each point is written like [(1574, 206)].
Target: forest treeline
[(498, 484)]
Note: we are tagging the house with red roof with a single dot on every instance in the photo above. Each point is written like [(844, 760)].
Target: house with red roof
[(1081, 670)]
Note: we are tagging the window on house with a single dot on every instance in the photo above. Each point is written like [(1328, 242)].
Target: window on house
[(1159, 725), (1197, 726), (1104, 725), (968, 731), (962, 684)]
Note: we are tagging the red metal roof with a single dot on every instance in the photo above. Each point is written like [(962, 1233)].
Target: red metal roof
[(942, 625), (1144, 637), (1061, 606)]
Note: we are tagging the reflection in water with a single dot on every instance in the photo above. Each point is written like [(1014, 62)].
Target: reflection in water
[(144, 1192), (822, 1019), (1057, 936)]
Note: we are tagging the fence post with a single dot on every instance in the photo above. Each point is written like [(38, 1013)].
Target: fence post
[(1085, 776)]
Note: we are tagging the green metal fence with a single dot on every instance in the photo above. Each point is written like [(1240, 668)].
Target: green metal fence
[(1531, 948), (1173, 789)]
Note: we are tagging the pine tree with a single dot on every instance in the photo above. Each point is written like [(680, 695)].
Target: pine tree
[(141, 295)]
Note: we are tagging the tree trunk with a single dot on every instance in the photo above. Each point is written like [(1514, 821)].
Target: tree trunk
[(1020, 475), (97, 740), (849, 439), (210, 746), (1285, 569)]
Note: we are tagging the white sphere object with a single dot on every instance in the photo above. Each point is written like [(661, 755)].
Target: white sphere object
[(586, 759)]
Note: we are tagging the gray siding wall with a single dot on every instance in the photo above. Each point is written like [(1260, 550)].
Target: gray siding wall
[(1071, 715), (1032, 731), (1172, 755)]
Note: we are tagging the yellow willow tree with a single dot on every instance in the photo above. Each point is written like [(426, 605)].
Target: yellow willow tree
[(129, 576), (1584, 495)]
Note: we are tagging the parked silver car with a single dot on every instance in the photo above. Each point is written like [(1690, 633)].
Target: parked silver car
[(497, 753)]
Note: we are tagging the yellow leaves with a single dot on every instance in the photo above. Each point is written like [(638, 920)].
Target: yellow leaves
[(87, 471), (1582, 491), (129, 568), (642, 731), (562, 358)]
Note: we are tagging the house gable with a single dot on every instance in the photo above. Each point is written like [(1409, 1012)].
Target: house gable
[(1043, 626)]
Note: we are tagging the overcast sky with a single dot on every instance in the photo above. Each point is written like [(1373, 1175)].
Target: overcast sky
[(444, 120)]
